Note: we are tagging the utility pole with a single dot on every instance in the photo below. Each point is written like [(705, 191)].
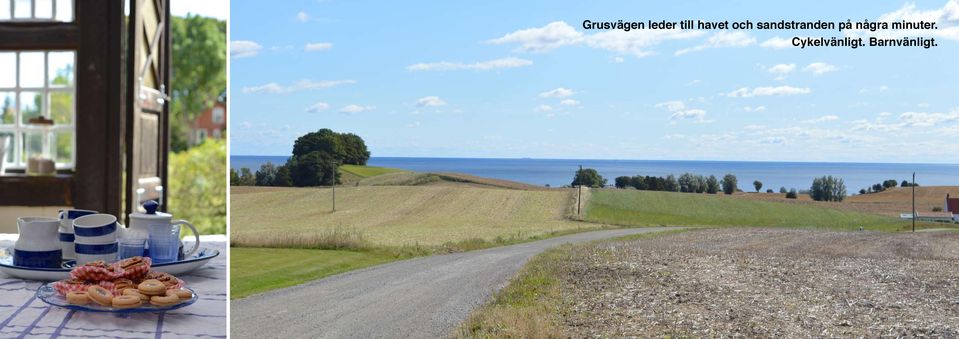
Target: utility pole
[(333, 185), (579, 197), (913, 202)]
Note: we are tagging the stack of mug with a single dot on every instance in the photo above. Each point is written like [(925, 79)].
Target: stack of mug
[(95, 238)]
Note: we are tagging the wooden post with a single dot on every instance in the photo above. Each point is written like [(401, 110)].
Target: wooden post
[(579, 197), (913, 202), (333, 185)]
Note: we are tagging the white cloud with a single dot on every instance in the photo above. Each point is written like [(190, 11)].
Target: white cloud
[(946, 19), (923, 119), (782, 69), (569, 102), (302, 85), (559, 34), (542, 108), (319, 106), (430, 101), (823, 118), (559, 92), (302, 16), (883, 88), (694, 82), (754, 109), (353, 109), (317, 46), (244, 48), (776, 43), (476, 66), (745, 92), (820, 68), (540, 39), (722, 39), (414, 124), (616, 60), (678, 108)]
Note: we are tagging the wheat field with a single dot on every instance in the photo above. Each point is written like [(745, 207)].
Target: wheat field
[(396, 215)]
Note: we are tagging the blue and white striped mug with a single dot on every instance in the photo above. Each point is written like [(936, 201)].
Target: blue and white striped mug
[(95, 238), (66, 230)]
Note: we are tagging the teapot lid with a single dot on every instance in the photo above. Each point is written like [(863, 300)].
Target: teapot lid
[(151, 208)]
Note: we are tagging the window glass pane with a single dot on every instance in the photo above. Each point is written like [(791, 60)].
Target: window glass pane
[(4, 9), (7, 137), (8, 105), (43, 9), (64, 10), (64, 148), (8, 69), (32, 146), (21, 9), (61, 107), (31, 69), (30, 106), (60, 71)]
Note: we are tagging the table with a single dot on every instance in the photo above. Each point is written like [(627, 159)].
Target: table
[(22, 315)]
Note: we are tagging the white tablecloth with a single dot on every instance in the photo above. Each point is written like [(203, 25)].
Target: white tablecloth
[(22, 315)]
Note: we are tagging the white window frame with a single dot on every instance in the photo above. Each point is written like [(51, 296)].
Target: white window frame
[(18, 129), (218, 113), (33, 12), (216, 133), (200, 135)]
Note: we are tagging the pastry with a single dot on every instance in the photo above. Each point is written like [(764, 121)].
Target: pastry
[(78, 298), (126, 301), (100, 295), (152, 287)]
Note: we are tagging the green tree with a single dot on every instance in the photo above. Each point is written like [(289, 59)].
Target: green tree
[(283, 178), (354, 149), (712, 185), (315, 169), (623, 181), (198, 72), (730, 184), (246, 177), (828, 188), (758, 185), (792, 194), (197, 189), (588, 177), (782, 189), (671, 185), (234, 178), (266, 175)]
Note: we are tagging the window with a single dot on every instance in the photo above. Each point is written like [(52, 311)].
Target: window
[(40, 84), (200, 135), (216, 133), (218, 115), (36, 10)]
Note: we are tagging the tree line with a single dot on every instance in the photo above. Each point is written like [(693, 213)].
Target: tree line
[(826, 188), (315, 162), (886, 184)]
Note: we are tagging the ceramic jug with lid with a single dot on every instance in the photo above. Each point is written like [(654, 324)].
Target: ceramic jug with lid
[(142, 222)]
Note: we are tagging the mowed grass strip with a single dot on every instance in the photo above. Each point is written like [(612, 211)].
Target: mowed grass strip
[(257, 270), (367, 171), (401, 215), (646, 208)]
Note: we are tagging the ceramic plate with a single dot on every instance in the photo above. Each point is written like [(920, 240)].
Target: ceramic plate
[(181, 267), (50, 296)]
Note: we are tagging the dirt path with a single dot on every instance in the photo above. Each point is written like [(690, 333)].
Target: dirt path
[(419, 298)]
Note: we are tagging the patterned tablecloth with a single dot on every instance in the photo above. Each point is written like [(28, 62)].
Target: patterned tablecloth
[(22, 315)]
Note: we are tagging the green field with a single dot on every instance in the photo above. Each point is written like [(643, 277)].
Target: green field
[(646, 208), (256, 270), (397, 216)]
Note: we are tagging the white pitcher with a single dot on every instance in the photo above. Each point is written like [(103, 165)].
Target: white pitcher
[(38, 244), (142, 221)]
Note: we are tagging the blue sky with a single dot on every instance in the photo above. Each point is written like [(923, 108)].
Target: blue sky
[(506, 79)]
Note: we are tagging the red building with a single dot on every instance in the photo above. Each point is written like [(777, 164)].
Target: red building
[(210, 124), (952, 205)]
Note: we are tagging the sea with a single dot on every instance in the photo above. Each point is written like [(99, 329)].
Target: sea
[(559, 172)]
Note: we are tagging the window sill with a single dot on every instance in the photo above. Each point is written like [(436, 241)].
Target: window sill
[(18, 189)]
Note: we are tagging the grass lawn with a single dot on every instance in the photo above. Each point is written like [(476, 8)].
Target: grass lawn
[(256, 270), (398, 215), (645, 208)]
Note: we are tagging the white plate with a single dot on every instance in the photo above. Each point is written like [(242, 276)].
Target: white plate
[(177, 268)]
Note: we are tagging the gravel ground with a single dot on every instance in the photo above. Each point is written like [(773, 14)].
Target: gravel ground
[(766, 283)]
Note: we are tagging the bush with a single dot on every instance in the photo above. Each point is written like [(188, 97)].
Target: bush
[(792, 194), (712, 185), (937, 209), (197, 191), (623, 182), (730, 184), (769, 190), (828, 188), (783, 190), (758, 185)]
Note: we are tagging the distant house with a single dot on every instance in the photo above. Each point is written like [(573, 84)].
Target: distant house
[(210, 124), (935, 216), (952, 206)]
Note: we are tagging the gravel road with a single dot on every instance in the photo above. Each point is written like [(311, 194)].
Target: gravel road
[(418, 298)]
